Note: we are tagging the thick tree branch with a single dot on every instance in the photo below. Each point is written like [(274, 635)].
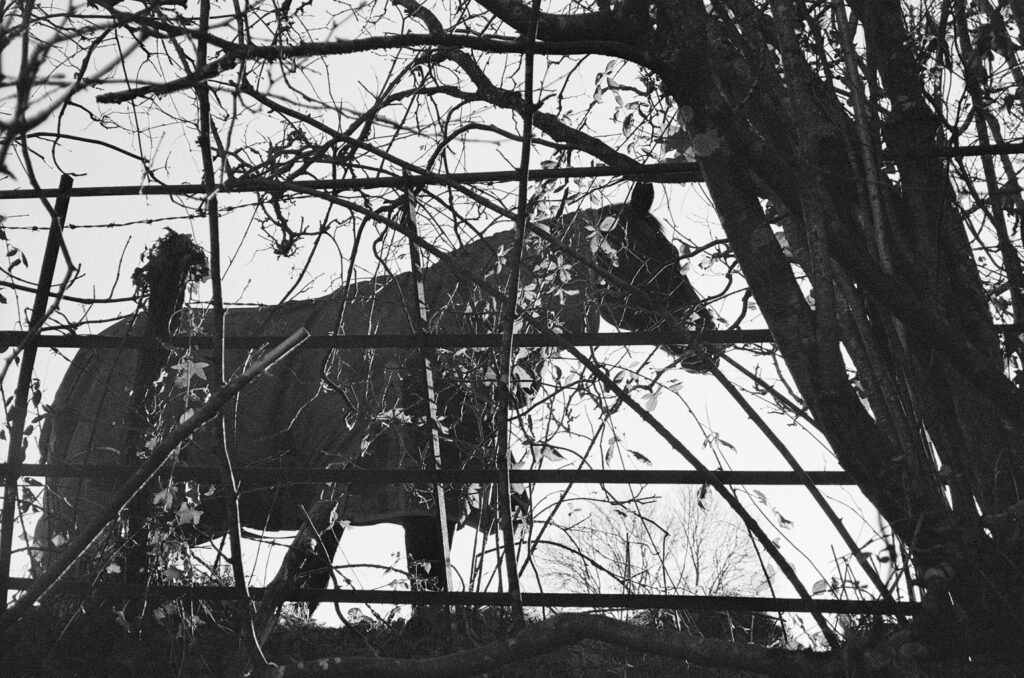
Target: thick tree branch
[(854, 436), (340, 47), (907, 306), (605, 25)]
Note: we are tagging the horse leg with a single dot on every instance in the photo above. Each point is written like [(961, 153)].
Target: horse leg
[(423, 546), (315, 571), (307, 564), (428, 572)]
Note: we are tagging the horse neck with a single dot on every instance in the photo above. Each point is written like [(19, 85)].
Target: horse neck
[(555, 287)]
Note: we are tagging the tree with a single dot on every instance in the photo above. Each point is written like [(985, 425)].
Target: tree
[(826, 134), (674, 546), (821, 119)]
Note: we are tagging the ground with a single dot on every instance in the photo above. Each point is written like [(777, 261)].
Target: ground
[(98, 645)]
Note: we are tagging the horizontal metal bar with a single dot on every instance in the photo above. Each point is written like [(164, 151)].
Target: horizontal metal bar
[(462, 598), (385, 477), (364, 341), (958, 151), (674, 173), (683, 172)]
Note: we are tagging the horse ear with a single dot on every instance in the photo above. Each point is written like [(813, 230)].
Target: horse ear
[(642, 198)]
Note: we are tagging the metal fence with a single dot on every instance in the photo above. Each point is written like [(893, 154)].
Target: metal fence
[(28, 342)]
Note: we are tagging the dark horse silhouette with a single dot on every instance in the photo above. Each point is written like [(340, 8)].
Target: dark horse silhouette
[(353, 408)]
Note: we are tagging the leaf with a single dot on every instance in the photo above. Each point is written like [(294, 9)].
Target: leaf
[(678, 142), (759, 496), (172, 573), (187, 370), (784, 522), (58, 540), (164, 611), (706, 143), (113, 568), (187, 514), (545, 451), (715, 442), (627, 125), (612, 448), (641, 458), (164, 497), (820, 586), (650, 400)]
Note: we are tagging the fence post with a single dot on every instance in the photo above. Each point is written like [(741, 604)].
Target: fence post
[(421, 319), (16, 415)]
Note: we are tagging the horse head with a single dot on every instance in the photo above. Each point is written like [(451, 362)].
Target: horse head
[(651, 292)]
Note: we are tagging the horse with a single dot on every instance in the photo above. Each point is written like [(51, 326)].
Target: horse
[(356, 408)]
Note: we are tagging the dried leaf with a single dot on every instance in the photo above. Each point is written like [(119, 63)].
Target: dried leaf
[(641, 458), (545, 451), (784, 522)]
